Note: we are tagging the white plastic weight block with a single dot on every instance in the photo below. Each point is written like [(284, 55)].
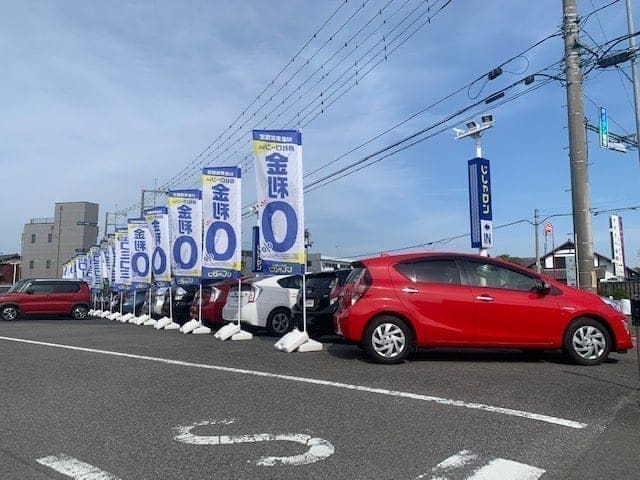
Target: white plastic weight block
[(190, 326), (291, 341), (163, 322), (242, 335), (201, 330), (310, 346), (229, 330), (172, 326)]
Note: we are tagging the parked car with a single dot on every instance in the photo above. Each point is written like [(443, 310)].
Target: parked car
[(157, 296), (214, 297), (128, 302), (322, 291), (264, 302), (47, 296), (392, 304), (179, 310)]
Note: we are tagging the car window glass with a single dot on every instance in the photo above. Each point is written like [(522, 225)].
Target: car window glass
[(42, 287), (432, 271), (496, 276), (291, 282), (66, 287)]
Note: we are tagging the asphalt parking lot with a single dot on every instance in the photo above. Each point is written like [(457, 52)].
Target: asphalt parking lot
[(97, 399)]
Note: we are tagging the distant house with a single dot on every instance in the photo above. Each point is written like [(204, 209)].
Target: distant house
[(554, 264), (9, 268)]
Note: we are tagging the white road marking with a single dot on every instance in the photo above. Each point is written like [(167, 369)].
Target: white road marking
[(507, 470), (74, 468), (319, 449), (499, 468), (458, 460), (381, 391)]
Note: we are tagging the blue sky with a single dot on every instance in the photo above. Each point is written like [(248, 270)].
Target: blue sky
[(102, 99)]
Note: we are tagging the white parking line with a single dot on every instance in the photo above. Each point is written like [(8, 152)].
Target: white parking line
[(381, 391), (499, 468), (74, 468)]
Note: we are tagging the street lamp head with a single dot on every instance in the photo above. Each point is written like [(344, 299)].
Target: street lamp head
[(472, 125), (487, 119)]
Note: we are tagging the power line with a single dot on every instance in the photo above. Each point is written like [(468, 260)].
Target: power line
[(327, 93)]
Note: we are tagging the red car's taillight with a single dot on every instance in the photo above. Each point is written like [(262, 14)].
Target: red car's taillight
[(360, 286), (335, 291), (214, 295)]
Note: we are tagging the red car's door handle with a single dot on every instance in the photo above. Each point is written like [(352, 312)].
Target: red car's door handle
[(410, 290), (485, 298)]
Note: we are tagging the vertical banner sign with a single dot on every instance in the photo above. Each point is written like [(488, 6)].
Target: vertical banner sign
[(122, 264), (278, 156), (82, 266), (604, 128), (222, 219), (140, 244), (111, 242), (480, 210), (185, 220), (104, 263), (88, 275), (617, 246), (96, 267), (157, 219)]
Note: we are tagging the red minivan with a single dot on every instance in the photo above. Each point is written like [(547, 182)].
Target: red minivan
[(392, 304), (47, 296)]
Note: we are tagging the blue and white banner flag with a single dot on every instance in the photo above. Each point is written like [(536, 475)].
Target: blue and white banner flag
[(140, 246), (222, 219), (82, 266), (157, 219), (185, 220), (104, 260), (94, 268), (122, 266), (69, 269), (278, 156), (111, 242)]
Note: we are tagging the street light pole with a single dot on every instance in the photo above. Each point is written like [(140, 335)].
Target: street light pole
[(475, 131)]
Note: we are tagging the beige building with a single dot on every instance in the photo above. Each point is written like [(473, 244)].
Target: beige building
[(49, 242)]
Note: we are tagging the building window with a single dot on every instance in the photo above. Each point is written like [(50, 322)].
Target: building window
[(30, 264), (33, 238), (49, 237), (48, 262)]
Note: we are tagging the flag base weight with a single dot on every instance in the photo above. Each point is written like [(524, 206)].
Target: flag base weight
[(227, 331)]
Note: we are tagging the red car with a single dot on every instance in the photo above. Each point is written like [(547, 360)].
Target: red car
[(392, 304), (214, 297)]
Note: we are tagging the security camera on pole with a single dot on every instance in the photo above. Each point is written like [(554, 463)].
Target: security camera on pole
[(480, 210)]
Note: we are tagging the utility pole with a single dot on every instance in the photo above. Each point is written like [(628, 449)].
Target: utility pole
[(143, 191), (634, 72), (578, 148), (536, 224)]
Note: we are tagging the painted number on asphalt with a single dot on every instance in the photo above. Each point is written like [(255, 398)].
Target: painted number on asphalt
[(318, 448)]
